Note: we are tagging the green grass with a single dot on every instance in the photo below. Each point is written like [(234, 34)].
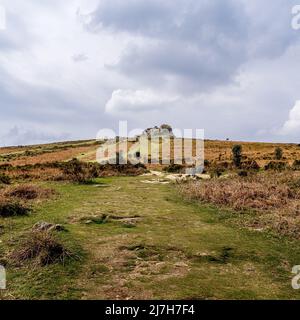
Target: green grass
[(177, 250)]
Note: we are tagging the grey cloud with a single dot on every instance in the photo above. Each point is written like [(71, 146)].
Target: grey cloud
[(196, 45), (21, 136), (189, 69), (80, 57)]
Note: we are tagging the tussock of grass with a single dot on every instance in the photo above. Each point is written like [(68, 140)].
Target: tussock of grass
[(43, 248), (29, 192), (12, 208)]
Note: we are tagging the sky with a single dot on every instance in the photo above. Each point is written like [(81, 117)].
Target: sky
[(71, 68)]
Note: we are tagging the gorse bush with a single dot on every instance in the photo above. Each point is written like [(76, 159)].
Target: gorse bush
[(84, 172), (77, 171), (237, 155), (296, 165), (278, 153)]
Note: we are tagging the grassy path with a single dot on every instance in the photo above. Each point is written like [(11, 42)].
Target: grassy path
[(176, 250)]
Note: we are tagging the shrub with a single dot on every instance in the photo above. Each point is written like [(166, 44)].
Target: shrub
[(216, 172), (217, 169), (296, 165), (12, 208), (174, 168), (237, 155), (277, 166), (278, 153), (5, 179), (206, 163), (250, 165), (76, 171), (41, 246)]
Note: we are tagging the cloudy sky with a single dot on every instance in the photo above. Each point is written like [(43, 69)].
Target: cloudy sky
[(70, 68)]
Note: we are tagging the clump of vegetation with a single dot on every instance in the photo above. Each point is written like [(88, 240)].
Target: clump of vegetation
[(296, 165), (223, 257), (237, 155), (206, 163), (77, 171), (254, 192), (42, 247), (278, 153), (5, 179), (83, 172), (250, 165), (174, 168), (30, 192), (243, 173), (10, 208), (273, 200), (216, 171), (277, 166)]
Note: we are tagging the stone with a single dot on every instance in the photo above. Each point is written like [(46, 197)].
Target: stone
[(181, 265), (46, 226), (203, 176)]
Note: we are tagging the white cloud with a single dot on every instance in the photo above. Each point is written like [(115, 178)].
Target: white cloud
[(123, 101), (292, 125)]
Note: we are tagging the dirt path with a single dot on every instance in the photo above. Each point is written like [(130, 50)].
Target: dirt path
[(177, 250)]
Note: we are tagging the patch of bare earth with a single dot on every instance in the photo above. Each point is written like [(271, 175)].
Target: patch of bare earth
[(120, 271)]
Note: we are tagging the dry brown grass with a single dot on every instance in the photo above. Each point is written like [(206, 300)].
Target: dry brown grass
[(43, 174), (42, 247), (275, 198), (215, 151), (61, 155), (29, 192), (260, 192)]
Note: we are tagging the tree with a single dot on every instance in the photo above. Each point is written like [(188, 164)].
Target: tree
[(237, 155), (278, 153)]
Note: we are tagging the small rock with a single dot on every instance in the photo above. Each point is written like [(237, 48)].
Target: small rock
[(203, 176), (46, 226), (181, 264), (129, 224)]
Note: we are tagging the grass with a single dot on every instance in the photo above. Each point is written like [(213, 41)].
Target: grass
[(270, 200), (215, 151), (177, 250)]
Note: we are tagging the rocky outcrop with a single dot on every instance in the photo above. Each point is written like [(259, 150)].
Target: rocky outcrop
[(164, 131)]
